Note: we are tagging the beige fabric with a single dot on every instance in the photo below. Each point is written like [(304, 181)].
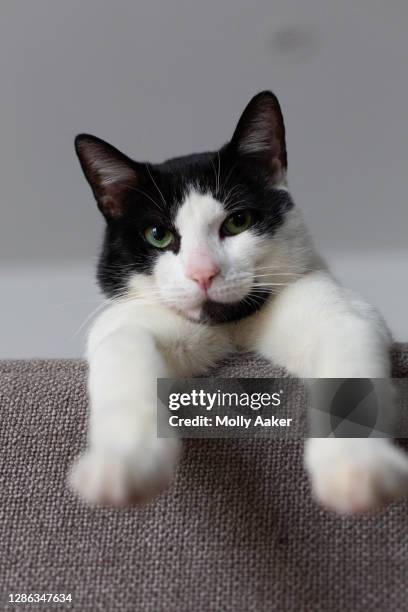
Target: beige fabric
[(237, 531)]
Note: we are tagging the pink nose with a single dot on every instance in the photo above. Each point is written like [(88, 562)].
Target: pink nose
[(203, 273)]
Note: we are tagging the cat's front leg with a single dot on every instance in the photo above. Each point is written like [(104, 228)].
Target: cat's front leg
[(125, 461), (355, 475), (316, 329)]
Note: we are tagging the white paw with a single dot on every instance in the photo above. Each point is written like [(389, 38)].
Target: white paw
[(356, 475), (119, 479)]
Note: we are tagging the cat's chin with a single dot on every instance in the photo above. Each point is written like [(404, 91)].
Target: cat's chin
[(193, 314), (212, 312), (223, 312)]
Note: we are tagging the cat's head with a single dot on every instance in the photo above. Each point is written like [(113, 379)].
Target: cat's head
[(202, 234)]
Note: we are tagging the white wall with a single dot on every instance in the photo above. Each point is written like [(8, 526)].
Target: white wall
[(162, 78)]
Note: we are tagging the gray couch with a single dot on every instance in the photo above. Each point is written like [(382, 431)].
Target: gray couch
[(238, 530)]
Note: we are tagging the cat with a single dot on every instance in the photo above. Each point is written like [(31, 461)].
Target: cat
[(204, 255)]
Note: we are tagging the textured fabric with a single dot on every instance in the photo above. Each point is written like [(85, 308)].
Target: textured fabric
[(236, 532)]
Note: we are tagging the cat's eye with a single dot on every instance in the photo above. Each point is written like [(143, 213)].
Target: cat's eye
[(158, 236), (236, 223)]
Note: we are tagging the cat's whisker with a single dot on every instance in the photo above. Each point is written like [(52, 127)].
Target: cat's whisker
[(146, 195), (274, 277), (215, 175), (89, 318), (274, 271), (246, 275), (250, 300), (157, 298), (228, 177), (271, 284), (274, 267), (287, 264), (265, 290), (234, 192), (236, 203), (142, 302), (268, 275), (155, 184), (219, 172)]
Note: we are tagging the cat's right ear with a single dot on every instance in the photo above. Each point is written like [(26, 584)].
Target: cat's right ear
[(260, 135), (110, 173)]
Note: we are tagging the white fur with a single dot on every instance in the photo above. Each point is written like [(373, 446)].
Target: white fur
[(310, 325), (198, 222)]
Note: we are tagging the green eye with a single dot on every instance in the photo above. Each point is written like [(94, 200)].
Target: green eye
[(237, 223), (158, 236)]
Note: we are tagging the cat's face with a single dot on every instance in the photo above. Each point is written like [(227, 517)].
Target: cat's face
[(196, 233)]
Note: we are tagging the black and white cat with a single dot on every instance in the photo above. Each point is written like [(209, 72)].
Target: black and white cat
[(204, 255)]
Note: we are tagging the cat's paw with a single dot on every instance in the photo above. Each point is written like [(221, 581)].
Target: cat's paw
[(115, 479), (356, 475)]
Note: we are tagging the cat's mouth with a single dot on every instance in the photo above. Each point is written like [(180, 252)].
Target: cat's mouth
[(220, 312), (220, 304)]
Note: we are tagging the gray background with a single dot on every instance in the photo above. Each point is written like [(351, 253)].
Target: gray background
[(162, 78)]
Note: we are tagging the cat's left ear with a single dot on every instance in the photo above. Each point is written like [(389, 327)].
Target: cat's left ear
[(260, 135)]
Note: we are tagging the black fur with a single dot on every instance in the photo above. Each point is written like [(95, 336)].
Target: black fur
[(216, 312), (240, 175)]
